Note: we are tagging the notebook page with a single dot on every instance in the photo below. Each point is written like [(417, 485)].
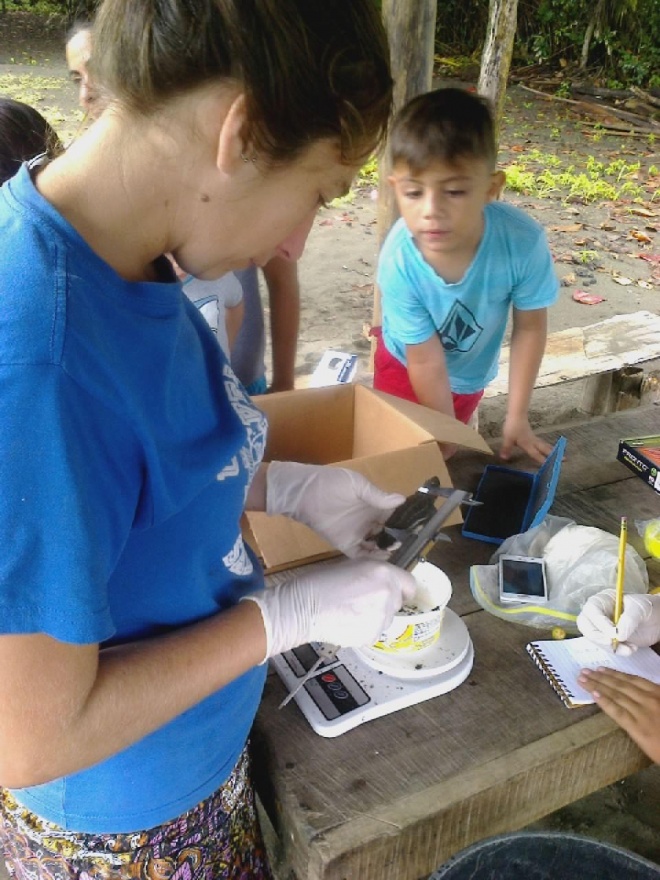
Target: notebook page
[(567, 658)]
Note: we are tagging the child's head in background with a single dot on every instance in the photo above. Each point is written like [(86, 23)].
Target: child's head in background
[(24, 134), (443, 154)]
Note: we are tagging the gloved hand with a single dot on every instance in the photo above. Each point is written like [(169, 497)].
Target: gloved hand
[(340, 505), (639, 624), (347, 604)]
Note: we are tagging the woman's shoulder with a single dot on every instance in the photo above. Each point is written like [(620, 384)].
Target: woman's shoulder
[(30, 275)]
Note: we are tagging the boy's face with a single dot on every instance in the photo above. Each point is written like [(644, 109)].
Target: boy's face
[(442, 205)]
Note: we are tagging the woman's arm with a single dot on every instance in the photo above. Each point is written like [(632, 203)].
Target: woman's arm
[(233, 320), (284, 299), (66, 707)]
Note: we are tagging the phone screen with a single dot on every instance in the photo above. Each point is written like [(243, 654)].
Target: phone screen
[(522, 577)]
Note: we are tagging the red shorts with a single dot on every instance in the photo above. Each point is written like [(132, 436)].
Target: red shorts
[(391, 375)]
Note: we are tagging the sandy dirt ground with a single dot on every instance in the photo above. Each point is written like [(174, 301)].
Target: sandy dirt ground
[(608, 247)]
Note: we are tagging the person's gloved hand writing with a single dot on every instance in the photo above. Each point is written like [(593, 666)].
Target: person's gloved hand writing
[(348, 604), (340, 505), (639, 624)]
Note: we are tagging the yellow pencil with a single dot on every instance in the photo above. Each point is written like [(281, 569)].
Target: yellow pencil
[(621, 570)]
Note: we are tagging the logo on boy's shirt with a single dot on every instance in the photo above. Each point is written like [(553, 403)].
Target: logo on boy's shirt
[(460, 330)]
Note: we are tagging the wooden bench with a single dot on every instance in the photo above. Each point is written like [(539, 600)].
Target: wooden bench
[(607, 354)]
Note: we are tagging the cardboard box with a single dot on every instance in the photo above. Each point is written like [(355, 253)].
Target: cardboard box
[(642, 456), (393, 442)]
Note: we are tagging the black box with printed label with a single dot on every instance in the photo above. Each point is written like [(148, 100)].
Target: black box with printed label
[(642, 456)]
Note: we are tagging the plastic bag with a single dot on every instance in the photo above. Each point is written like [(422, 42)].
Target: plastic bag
[(579, 560), (649, 530)]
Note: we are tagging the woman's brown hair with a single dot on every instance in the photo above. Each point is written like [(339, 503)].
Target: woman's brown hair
[(310, 69)]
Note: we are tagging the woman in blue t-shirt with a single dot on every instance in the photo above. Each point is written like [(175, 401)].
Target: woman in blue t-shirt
[(134, 626)]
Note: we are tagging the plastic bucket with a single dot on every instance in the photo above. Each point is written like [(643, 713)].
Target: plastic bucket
[(417, 625), (545, 856)]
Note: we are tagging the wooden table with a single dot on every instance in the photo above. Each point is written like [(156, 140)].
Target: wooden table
[(394, 798)]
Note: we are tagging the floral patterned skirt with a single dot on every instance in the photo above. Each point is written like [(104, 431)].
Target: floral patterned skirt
[(219, 839)]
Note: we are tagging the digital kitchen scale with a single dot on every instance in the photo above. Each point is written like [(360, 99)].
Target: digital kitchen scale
[(361, 684)]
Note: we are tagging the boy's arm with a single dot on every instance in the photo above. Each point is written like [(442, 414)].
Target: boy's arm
[(527, 347), (284, 298), (632, 702), (427, 371)]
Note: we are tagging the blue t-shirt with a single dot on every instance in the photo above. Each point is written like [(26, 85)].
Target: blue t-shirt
[(127, 446), (512, 267)]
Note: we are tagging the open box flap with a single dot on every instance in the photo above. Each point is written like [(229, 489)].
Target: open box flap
[(298, 424), (442, 428)]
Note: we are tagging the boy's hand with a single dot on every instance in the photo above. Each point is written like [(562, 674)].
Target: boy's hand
[(632, 702), (517, 432)]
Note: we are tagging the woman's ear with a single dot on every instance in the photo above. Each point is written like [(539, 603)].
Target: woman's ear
[(233, 149), (497, 182)]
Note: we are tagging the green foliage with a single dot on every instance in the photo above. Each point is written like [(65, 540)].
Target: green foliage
[(625, 44), (545, 175), (71, 9)]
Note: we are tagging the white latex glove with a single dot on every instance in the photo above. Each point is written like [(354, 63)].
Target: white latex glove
[(340, 505), (639, 624), (348, 604)]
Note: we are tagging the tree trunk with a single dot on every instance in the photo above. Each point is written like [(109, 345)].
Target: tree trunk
[(589, 34), (496, 56), (410, 28), (586, 44)]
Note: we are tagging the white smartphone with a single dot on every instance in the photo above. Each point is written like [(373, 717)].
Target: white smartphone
[(522, 579)]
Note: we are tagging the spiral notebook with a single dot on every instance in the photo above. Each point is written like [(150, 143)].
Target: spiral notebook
[(562, 661)]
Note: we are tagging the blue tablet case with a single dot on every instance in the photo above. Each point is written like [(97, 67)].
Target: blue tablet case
[(513, 501)]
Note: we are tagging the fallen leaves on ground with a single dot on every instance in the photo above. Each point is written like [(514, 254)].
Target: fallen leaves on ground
[(587, 299)]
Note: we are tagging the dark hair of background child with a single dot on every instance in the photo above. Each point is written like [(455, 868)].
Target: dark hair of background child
[(445, 125)]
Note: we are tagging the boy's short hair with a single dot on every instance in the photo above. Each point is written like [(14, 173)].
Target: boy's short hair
[(444, 125)]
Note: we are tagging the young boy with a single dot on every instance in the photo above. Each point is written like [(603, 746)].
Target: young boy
[(454, 265)]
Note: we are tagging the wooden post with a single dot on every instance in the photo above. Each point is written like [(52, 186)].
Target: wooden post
[(496, 56), (410, 28), (613, 391)]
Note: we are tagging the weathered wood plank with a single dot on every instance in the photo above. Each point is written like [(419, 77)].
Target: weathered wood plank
[(548, 775), (584, 351), (590, 454)]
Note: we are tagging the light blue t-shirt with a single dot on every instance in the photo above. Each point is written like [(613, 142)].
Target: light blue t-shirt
[(127, 447), (512, 267)]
